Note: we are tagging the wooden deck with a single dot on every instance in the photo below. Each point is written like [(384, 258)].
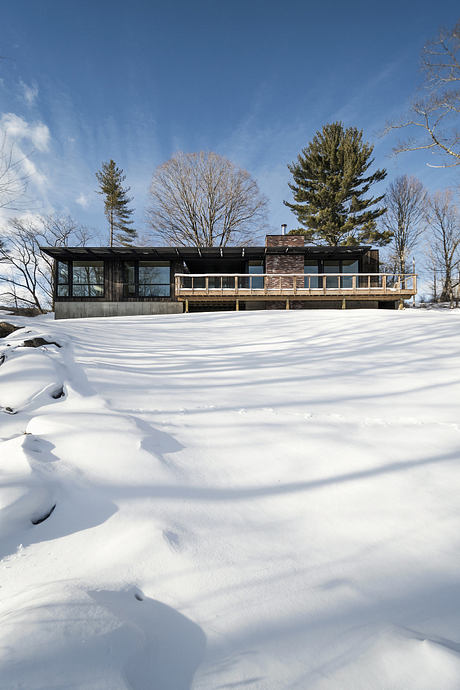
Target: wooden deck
[(299, 286)]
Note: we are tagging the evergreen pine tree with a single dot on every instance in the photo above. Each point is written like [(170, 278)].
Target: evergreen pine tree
[(330, 187), (116, 202)]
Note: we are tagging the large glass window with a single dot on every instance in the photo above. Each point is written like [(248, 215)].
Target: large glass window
[(332, 267), (311, 267), (255, 267), (154, 279), (62, 274), (87, 278), (129, 279), (349, 266)]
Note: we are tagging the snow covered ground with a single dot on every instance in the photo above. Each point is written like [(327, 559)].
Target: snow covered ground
[(260, 500)]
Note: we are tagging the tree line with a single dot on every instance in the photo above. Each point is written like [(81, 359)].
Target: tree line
[(204, 200)]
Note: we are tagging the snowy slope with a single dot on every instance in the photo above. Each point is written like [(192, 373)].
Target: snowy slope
[(260, 500)]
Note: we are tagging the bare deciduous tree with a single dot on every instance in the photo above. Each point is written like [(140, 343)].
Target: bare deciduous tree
[(25, 272), (405, 218), (13, 179), (204, 200), (444, 242), (434, 118)]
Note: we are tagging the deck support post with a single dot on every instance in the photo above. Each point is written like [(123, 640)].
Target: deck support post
[(186, 306), (237, 306), (401, 304), (287, 304), (344, 303)]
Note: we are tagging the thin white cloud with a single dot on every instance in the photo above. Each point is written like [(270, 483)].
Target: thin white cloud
[(29, 93), (33, 172), (18, 129), (25, 182), (82, 200)]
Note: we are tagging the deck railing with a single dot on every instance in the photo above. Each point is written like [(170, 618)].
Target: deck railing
[(293, 284)]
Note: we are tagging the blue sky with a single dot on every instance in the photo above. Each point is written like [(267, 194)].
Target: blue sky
[(83, 82)]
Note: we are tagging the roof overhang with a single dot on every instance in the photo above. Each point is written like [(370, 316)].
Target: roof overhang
[(184, 253)]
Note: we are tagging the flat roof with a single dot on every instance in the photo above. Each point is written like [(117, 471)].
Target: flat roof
[(184, 253)]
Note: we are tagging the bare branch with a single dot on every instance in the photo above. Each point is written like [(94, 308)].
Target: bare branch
[(436, 116), (23, 267), (406, 202), (443, 251), (202, 199), (13, 178)]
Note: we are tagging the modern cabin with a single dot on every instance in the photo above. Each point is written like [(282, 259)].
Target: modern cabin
[(283, 274)]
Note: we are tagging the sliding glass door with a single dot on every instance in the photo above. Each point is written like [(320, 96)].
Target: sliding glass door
[(349, 266), (343, 267), (311, 269), (332, 267)]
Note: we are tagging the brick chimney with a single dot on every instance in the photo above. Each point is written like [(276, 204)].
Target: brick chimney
[(283, 262), (284, 240)]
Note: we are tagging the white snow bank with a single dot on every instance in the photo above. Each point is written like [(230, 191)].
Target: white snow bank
[(25, 496), (107, 639), (280, 488), (27, 376)]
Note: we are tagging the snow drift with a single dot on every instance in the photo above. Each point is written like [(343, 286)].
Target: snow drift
[(264, 500)]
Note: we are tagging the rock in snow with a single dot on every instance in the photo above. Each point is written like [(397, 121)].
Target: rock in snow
[(7, 329), (265, 500)]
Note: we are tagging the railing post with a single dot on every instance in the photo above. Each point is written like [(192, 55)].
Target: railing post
[(353, 283), (186, 306), (384, 284), (295, 285), (236, 284), (324, 284), (206, 280)]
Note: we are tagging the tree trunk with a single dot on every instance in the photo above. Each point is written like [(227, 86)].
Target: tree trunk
[(446, 293), (111, 228)]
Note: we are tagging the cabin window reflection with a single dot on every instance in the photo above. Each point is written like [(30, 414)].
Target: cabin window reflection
[(129, 279), (254, 268), (332, 267), (154, 279), (349, 266), (87, 278), (62, 275), (311, 269)]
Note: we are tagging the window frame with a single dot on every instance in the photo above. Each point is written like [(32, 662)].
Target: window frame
[(69, 285), (321, 269), (136, 264)]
